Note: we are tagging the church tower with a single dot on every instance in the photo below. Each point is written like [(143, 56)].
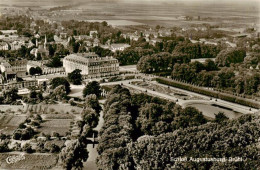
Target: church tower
[(45, 42)]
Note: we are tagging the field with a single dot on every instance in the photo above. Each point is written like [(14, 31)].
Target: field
[(53, 108), (11, 108), (31, 161), (166, 13), (60, 126), (118, 22), (59, 143), (58, 116), (8, 123)]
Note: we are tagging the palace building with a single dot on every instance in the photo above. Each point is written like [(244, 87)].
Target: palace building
[(91, 65)]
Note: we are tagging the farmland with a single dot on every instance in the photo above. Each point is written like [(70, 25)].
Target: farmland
[(8, 123), (11, 108), (53, 108), (60, 126), (170, 13), (58, 116), (31, 161)]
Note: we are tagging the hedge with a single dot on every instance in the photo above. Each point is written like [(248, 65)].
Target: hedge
[(223, 96)]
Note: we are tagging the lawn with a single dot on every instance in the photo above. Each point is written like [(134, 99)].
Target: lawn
[(53, 109), (60, 126), (31, 161), (58, 116), (63, 108), (8, 123), (11, 108)]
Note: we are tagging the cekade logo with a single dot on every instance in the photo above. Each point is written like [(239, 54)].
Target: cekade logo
[(15, 158)]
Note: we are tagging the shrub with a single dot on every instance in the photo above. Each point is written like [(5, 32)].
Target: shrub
[(28, 148)]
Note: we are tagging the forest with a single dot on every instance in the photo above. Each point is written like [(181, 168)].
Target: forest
[(230, 70), (145, 132)]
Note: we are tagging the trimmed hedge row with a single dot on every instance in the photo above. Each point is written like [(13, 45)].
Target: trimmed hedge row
[(223, 96)]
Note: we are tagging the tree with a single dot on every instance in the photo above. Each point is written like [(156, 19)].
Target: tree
[(55, 62), (228, 56), (51, 50), (156, 63), (34, 71), (55, 82), (28, 148), (104, 24), (38, 70), (89, 117), (230, 138), (210, 65), (73, 45), (11, 95), (92, 88), (92, 102), (101, 51), (73, 155), (75, 77), (220, 117), (4, 146), (59, 93)]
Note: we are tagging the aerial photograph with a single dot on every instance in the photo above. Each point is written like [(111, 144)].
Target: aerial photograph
[(129, 84)]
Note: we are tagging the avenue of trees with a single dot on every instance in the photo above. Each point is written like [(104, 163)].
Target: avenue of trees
[(75, 152), (234, 138), (216, 94), (144, 132), (127, 117)]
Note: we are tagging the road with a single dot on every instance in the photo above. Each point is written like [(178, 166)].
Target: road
[(90, 164)]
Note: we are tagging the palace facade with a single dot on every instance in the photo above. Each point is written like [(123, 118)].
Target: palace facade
[(91, 65)]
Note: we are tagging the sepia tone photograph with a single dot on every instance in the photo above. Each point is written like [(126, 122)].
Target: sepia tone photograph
[(129, 84)]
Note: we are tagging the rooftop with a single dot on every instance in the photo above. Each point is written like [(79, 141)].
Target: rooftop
[(88, 57)]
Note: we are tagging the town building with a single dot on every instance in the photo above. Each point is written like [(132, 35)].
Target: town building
[(96, 42), (118, 47), (132, 36), (8, 32), (93, 34), (19, 84), (63, 35), (153, 41), (41, 50), (13, 69), (4, 46), (45, 69), (91, 65)]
